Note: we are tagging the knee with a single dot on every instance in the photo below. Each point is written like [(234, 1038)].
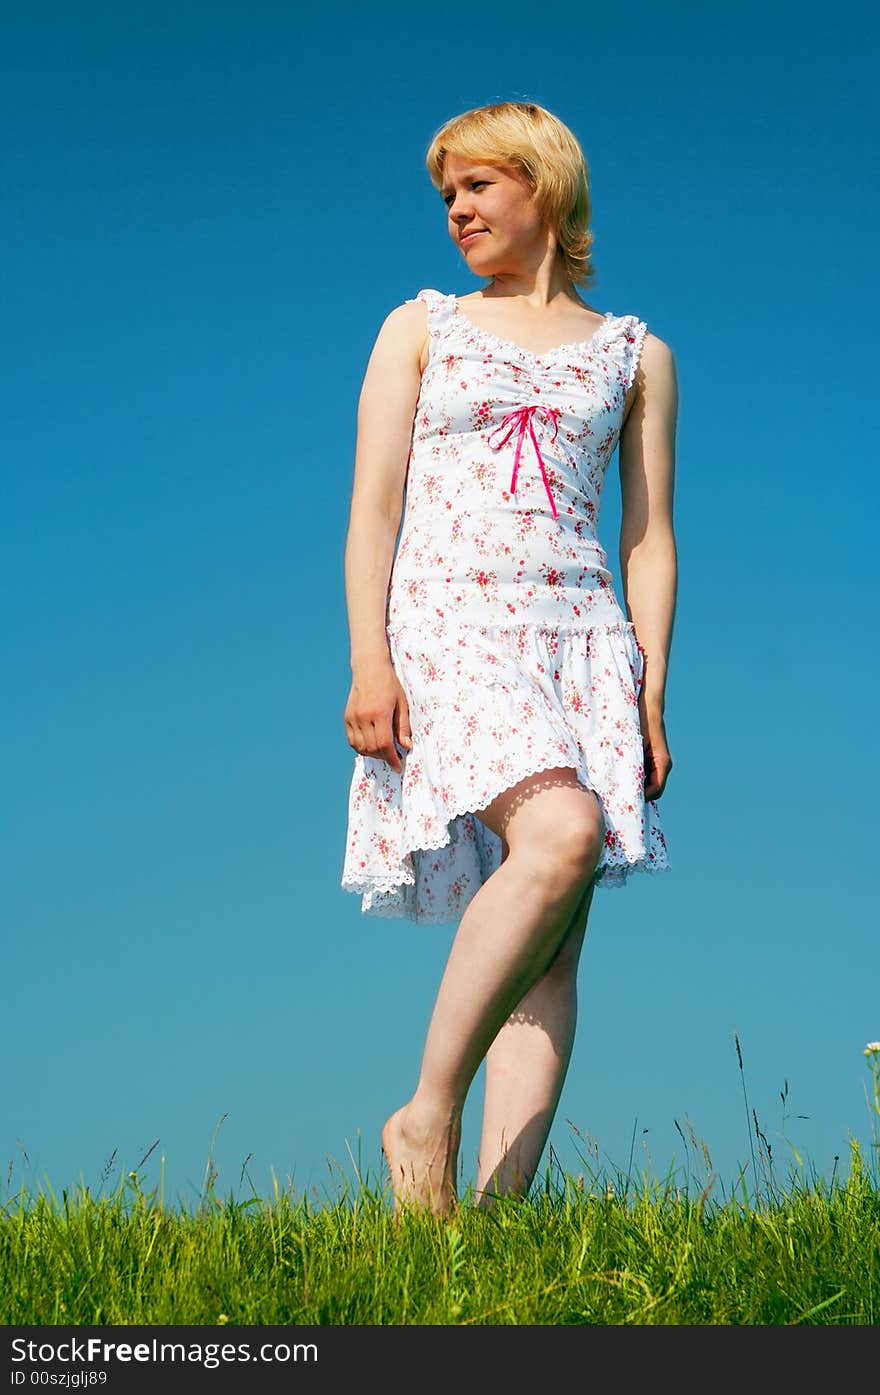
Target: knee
[(580, 839), (570, 851)]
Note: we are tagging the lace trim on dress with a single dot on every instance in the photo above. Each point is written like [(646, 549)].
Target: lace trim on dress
[(439, 310), (579, 346), (610, 873), (639, 330), (445, 313)]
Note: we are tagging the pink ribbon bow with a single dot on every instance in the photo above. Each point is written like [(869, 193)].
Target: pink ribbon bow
[(521, 419)]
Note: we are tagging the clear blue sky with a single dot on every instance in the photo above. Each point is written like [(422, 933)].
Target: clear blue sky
[(208, 212)]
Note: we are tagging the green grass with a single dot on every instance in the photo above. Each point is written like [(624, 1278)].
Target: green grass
[(587, 1249)]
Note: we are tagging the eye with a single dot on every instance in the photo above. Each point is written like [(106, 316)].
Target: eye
[(474, 183)]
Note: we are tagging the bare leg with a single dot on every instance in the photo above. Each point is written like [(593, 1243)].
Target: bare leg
[(526, 1066), (505, 941)]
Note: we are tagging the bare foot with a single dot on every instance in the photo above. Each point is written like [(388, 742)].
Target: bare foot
[(422, 1167)]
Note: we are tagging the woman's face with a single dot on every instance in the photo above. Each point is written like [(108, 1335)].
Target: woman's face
[(496, 200)]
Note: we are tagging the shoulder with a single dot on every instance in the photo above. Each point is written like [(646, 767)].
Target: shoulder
[(653, 356), (406, 323), (653, 345), (410, 322), (649, 366), (656, 362), (644, 340), (404, 331), (651, 398), (412, 315)]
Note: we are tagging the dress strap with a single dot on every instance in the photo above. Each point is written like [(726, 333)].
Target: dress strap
[(634, 331), (440, 307)]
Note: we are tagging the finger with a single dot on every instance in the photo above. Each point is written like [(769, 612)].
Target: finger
[(368, 743), (651, 782), (404, 726), (386, 750), (656, 779), (357, 739)]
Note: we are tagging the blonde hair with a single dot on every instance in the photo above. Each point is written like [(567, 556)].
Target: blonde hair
[(544, 151)]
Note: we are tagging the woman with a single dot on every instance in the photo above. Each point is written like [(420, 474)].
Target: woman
[(508, 718)]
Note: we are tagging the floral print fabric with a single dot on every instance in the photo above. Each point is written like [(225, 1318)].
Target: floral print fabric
[(502, 621)]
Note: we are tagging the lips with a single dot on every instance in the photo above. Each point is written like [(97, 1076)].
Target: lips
[(474, 232)]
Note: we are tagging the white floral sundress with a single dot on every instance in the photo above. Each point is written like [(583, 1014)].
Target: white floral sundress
[(503, 626)]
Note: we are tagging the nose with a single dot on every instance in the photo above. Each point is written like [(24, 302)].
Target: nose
[(459, 211)]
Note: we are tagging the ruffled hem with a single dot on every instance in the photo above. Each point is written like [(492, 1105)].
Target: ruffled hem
[(491, 705), (396, 898)]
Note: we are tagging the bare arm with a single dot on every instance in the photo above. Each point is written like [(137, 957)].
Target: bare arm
[(648, 556), (386, 411)]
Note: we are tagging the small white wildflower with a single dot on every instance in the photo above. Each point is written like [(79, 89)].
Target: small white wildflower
[(873, 1048)]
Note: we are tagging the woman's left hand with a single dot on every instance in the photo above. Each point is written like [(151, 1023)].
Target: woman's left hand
[(657, 760)]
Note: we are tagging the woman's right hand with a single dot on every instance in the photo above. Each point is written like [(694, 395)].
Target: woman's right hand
[(376, 712)]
